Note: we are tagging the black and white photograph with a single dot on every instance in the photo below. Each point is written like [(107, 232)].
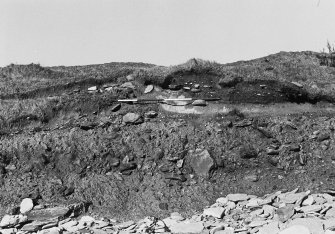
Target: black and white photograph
[(167, 116)]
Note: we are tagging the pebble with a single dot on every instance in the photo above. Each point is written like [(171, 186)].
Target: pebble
[(148, 89), (26, 205)]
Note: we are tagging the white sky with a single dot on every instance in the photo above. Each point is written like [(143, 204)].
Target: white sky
[(164, 32)]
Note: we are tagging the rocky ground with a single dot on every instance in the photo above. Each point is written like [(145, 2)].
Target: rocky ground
[(277, 213), (68, 145)]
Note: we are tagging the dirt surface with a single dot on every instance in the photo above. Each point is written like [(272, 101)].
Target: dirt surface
[(63, 144)]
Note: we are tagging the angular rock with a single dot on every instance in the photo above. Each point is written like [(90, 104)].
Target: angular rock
[(237, 197), (26, 205), (295, 230), (216, 212), (202, 163), (132, 118)]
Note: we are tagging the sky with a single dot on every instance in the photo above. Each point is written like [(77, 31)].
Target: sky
[(162, 32)]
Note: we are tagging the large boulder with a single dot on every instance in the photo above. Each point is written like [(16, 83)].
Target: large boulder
[(202, 163)]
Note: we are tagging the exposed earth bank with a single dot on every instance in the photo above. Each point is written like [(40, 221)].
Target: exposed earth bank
[(65, 139)]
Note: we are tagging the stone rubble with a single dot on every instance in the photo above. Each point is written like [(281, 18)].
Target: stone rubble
[(278, 213)]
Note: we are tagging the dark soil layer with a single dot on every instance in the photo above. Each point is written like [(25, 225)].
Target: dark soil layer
[(60, 146)]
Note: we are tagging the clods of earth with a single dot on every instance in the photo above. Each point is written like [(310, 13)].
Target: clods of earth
[(292, 212)]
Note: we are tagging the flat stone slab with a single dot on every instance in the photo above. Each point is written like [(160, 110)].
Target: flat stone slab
[(49, 213)]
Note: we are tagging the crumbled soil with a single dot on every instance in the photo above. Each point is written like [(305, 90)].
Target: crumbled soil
[(76, 147)]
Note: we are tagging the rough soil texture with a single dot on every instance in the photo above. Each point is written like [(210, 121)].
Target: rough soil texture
[(61, 144)]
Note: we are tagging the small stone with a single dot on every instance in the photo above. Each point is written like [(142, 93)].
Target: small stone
[(295, 230), (125, 224), (222, 201), (132, 118), (116, 107), (247, 152), (270, 228), (290, 198), (216, 212), (177, 216), (195, 90), (323, 137), (151, 114), (314, 225), (180, 163), (297, 84), (237, 197), (257, 223), (12, 220), (130, 77), (30, 227), (252, 177), (202, 163), (308, 201), (186, 227), (199, 102), (128, 85), (69, 224), (311, 208), (8, 231), (93, 88), (331, 213), (175, 87), (148, 89), (271, 151), (163, 206), (285, 213), (26, 205)]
